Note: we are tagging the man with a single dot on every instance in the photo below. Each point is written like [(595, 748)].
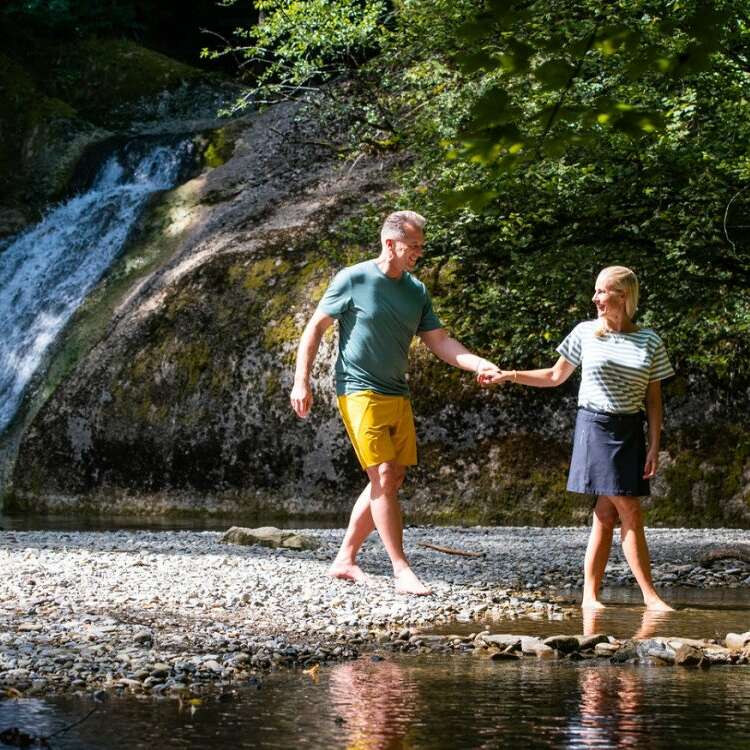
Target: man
[(380, 307)]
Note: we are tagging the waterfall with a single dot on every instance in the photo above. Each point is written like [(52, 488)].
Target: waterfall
[(47, 271)]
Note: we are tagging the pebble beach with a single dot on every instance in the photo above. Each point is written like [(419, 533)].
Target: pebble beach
[(159, 612)]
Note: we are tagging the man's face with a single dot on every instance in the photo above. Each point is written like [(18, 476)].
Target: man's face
[(408, 251)]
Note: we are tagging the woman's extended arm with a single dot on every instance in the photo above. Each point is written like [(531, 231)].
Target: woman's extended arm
[(654, 416), (549, 377)]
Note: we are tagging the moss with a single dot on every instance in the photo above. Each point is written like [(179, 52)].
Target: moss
[(219, 149), (706, 471), (99, 75)]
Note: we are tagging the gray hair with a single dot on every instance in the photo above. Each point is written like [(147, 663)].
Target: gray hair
[(394, 227)]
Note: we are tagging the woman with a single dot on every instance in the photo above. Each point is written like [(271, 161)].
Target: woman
[(622, 366)]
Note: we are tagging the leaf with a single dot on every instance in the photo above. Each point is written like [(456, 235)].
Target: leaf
[(471, 62), (554, 74), (474, 198), (313, 672), (490, 109)]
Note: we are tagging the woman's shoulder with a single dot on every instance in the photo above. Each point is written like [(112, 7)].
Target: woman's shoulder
[(586, 327)]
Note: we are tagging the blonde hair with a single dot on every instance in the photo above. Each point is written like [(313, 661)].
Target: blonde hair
[(394, 226), (625, 281)]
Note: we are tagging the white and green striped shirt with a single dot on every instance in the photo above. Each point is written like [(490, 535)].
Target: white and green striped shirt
[(615, 368)]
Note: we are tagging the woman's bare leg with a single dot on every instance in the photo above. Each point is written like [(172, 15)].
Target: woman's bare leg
[(597, 551), (636, 550)]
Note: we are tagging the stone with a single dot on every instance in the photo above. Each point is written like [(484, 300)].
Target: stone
[(627, 652), (655, 648), (502, 641), (717, 654), (606, 649), (737, 641), (506, 655), (565, 644), (689, 656), (587, 642), (269, 536)]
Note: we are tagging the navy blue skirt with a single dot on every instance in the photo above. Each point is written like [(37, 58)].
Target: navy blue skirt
[(609, 454)]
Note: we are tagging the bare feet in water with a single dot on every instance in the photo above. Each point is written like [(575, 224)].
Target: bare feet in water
[(408, 583), (347, 572), (591, 604), (657, 605)]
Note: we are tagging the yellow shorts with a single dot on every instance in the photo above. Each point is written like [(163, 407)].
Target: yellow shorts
[(380, 427)]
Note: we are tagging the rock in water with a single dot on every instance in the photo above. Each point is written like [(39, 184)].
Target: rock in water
[(269, 536), (689, 656), (737, 641)]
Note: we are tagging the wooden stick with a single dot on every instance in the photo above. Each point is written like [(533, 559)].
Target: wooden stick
[(451, 550)]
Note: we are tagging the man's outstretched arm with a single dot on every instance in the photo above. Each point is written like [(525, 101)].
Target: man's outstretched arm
[(451, 351), (301, 396)]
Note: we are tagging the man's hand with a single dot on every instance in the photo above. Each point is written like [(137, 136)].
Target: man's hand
[(652, 464), (491, 374), (301, 398)]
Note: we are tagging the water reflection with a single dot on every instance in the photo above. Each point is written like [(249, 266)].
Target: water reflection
[(611, 710), (376, 702), (651, 623)]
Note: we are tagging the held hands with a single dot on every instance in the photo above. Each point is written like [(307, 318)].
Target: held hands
[(652, 464), (301, 398), (490, 374)]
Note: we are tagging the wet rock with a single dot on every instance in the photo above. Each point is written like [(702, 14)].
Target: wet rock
[(502, 641), (506, 655), (717, 654), (565, 644), (606, 649), (689, 656), (655, 648), (269, 536), (587, 642), (737, 641), (626, 653)]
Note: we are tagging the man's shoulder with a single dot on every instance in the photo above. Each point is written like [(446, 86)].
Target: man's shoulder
[(414, 282)]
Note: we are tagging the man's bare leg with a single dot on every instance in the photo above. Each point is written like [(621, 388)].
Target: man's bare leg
[(386, 479), (360, 527), (635, 550), (597, 551)]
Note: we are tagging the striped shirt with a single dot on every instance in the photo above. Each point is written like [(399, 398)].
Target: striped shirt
[(615, 368)]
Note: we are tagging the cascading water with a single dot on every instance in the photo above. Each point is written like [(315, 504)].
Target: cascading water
[(47, 271)]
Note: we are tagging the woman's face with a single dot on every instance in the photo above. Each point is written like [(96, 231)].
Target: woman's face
[(609, 302)]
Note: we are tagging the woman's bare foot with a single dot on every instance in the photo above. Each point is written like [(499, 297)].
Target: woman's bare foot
[(655, 604), (347, 572), (589, 603), (408, 583)]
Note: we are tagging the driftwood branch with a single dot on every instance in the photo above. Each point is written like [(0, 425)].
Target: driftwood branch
[(736, 552), (451, 550)]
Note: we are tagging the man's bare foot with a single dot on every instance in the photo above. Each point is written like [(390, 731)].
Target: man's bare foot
[(658, 605), (348, 572), (408, 583), (591, 604)]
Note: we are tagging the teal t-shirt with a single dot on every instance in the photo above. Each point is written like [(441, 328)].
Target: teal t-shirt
[(378, 317)]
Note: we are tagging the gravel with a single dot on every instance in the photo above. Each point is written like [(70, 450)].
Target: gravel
[(176, 611)]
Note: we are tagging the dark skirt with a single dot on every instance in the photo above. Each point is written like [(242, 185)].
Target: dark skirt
[(609, 454)]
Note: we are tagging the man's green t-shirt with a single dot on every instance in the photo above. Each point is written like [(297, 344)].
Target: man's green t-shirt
[(378, 317)]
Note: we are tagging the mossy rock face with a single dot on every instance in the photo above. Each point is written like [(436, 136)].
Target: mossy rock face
[(41, 140)]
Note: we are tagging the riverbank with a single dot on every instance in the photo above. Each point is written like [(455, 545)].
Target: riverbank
[(173, 611)]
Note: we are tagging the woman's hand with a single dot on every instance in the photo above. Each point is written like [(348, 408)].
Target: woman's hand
[(652, 464), (492, 375)]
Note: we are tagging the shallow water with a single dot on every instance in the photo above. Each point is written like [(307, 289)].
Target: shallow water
[(428, 703), (700, 613)]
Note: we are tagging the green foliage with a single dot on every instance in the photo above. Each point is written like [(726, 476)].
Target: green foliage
[(298, 44), (554, 138)]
